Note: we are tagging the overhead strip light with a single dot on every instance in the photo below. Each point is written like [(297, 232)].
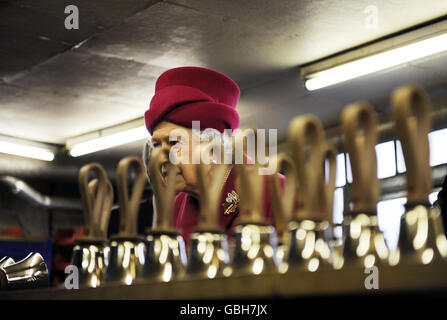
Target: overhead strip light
[(108, 141), (376, 62), (26, 151)]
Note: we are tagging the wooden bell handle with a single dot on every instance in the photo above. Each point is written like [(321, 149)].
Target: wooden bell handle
[(129, 208), (359, 126), (330, 154), (164, 195), (92, 205), (210, 189), (250, 183), (283, 201), (306, 132), (411, 113)]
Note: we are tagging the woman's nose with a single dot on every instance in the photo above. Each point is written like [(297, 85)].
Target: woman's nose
[(166, 146)]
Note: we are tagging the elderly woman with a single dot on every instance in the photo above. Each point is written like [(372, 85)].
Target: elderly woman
[(187, 94)]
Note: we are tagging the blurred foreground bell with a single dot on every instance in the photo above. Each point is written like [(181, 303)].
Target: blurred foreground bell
[(208, 247), (421, 237), (364, 244), (88, 257), (165, 249), (88, 252), (31, 272), (6, 261), (283, 202), (309, 232), (126, 258), (255, 240)]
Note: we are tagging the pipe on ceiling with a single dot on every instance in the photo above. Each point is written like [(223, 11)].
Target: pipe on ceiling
[(21, 189)]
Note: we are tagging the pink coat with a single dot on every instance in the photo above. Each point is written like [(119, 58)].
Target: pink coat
[(186, 208)]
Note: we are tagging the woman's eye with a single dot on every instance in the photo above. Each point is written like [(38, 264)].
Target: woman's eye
[(156, 144)]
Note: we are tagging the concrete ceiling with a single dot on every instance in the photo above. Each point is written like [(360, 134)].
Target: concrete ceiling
[(57, 83)]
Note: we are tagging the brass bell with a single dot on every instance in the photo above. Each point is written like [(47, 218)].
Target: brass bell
[(208, 255), (6, 261), (165, 256), (308, 245), (165, 248), (421, 237), (255, 249), (88, 257), (88, 252), (309, 232), (31, 272), (126, 259), (255, 241), (127, 249), (208, 247), (364, 244)]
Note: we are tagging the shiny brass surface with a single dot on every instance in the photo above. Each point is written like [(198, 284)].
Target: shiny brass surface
[(364, 244), (30, 272), (165, 256), (88, 257), (421, 238), (307, 244), (6, 261), (255, 249), (309, 232), (126, 256), (208, 255), (208, 245), (255, 240), (89, 251), (165, 248), (125, 259)]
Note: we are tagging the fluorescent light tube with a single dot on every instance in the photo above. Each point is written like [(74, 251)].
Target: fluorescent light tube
[(108, 141), (26, 151), (376, 62)]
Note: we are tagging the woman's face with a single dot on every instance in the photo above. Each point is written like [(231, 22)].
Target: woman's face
[(186, 179)]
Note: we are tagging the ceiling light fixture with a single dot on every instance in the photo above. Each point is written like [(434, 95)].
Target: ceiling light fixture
[(26, 151), (376, 62), (107, 138)]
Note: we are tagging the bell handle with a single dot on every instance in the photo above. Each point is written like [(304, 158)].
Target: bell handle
[(250, 183), (92, 204), (164, 195), (129, 207), (306, 137), (411, 113), (210, 189), (330, 155), (106, 210), (283, 201), (359, 126)]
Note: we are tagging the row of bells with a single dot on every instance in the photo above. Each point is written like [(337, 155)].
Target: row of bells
[(307, 246)]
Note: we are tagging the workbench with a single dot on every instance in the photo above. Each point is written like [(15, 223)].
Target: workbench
[(401, 279)]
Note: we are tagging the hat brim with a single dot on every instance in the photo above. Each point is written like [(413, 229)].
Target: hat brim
[(210, 114)]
